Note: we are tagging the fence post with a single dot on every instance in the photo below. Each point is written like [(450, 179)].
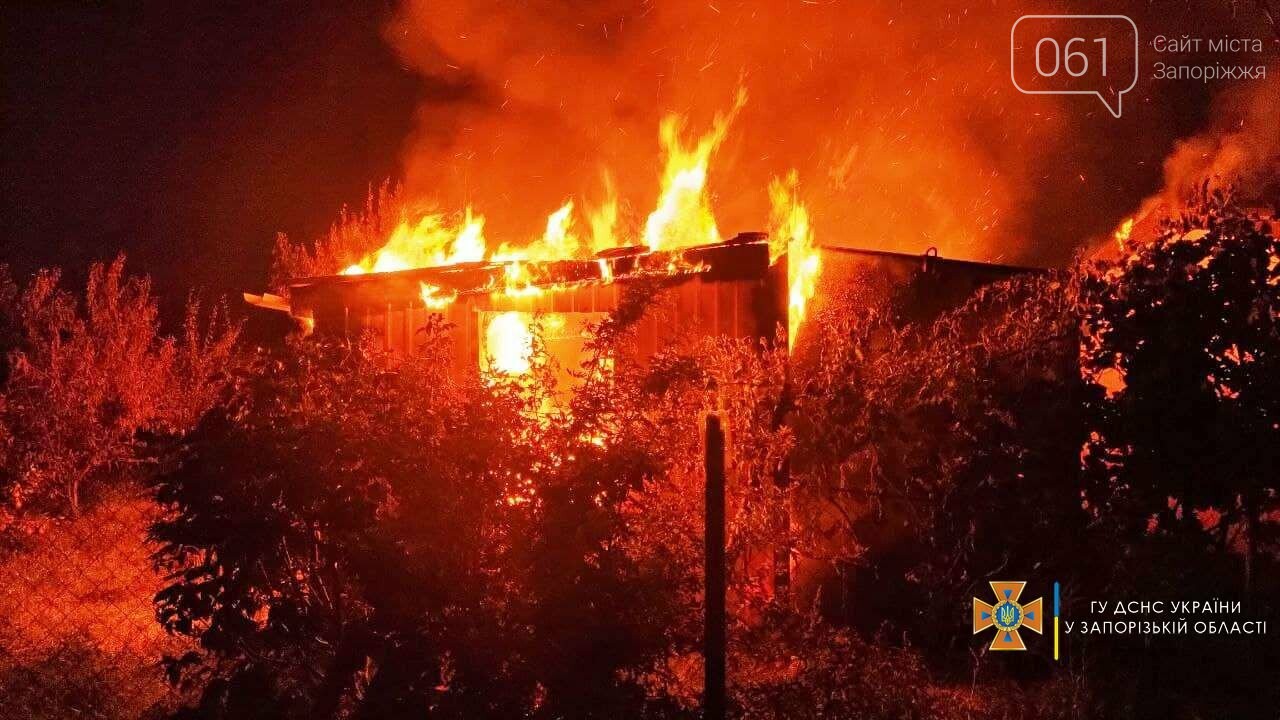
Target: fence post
[(714, 575)]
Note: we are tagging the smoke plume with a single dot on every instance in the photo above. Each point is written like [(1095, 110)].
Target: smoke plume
[(899, 117), (1241, 148)]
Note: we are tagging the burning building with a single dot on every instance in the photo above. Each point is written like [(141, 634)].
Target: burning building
[(387, 271), (495, 308), (732, 288)]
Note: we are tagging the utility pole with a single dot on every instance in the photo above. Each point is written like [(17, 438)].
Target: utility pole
[(714, 575)]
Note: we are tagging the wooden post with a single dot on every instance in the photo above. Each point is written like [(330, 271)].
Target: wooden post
[(714, 575)]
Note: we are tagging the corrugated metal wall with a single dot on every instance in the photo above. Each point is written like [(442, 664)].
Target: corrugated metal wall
[(692, 306)]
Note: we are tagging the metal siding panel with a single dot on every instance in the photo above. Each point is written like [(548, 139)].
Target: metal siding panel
[(387, 335), (687, 306), (724, 309), (708, 303), (739, 287)]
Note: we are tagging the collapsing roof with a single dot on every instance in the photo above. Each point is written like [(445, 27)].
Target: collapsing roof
[(730, 289)]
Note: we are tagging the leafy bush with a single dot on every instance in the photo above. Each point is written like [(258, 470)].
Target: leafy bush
[(74, 680), (354, 535), (78, 636), (1184, 334), (934, 457), (86, 377), (1185, 331)]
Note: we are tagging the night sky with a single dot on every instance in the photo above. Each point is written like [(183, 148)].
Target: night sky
[(187, 134)]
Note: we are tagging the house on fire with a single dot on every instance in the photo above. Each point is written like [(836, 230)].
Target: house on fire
[(733, 288), (730, 288)]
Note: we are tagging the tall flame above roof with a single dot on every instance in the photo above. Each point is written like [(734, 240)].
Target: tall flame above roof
[(683, 217)]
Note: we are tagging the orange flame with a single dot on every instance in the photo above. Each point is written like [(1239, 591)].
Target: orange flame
[(431, 241), (682, 217), (558, 241), (434, 298), (604, 218), (508, 343), (519, 281), (508, 340), (793, 234), (1123, 232)]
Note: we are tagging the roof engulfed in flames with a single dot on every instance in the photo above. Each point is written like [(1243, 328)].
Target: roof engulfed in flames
[(683, 217)]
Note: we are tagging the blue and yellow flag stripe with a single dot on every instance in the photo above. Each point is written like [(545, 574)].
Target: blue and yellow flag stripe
[(1056, 606)]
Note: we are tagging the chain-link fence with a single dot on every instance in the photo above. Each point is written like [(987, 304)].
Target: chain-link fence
[(78, 633)]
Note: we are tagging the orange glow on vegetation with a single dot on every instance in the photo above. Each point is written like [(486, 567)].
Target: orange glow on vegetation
[(1112, 381)]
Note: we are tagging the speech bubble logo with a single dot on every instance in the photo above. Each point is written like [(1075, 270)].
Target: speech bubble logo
[(1075, 55)]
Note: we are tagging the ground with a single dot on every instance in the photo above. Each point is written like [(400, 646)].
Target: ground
[(78, 635)]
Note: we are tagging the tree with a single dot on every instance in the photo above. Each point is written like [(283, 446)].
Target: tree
[(354, 235), (365, 536), (87, 377), (1184, 331), (356, 534), (1181, 333), (933, 457)]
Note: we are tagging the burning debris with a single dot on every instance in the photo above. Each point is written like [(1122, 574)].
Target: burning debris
[(731, 288), (501, 300), (682, 218), (443, 264)]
